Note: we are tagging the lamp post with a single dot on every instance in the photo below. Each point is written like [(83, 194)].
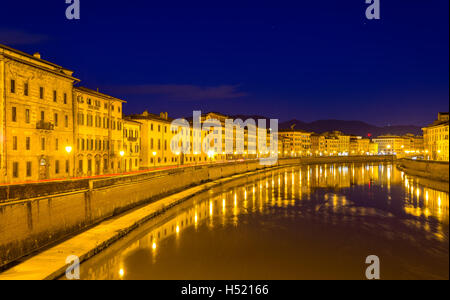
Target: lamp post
[(388, 147), (154, 158), (178, 158), (211, 155), (69, 150), (121, 153)]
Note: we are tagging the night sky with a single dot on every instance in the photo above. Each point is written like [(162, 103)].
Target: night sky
[(307, 60)]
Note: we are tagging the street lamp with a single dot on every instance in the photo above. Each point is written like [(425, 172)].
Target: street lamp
[(122, 153), (69, 150), (154, 158), (178, 158), (211, 154)]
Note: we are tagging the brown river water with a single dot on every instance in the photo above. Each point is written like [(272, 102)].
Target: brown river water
[(305, 222)]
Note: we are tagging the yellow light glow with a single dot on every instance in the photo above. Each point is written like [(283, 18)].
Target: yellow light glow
[(68, 149)]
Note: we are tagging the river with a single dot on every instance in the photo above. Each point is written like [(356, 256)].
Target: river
[(305, 222)]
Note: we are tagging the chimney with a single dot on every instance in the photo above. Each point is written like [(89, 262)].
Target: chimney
[(37, 55)]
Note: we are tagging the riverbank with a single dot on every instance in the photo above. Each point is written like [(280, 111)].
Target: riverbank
[(28, 225), (432, 174)]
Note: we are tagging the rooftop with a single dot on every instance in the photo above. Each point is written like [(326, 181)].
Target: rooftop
[(97, 93)]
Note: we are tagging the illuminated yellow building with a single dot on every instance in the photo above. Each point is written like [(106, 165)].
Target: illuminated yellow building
[(408, 144), (331, 145), (373, 148), (36, 118), (155, 139), (250, 143), (436, 138), (98, 133), (298, 142), (131, 145), (413, 144), (318, 144), (390, 144), (336, 143), (362, 146)]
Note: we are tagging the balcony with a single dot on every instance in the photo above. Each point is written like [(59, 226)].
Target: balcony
[(132, 139), (45, 125)]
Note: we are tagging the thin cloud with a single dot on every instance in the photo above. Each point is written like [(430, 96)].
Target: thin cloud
[(183, 92), (19, 37)]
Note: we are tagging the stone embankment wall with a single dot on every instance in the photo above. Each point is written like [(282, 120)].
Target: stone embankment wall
[(35, 215), (429, 170)]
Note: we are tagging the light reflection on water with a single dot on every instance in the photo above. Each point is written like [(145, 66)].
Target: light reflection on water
[(306, 222)]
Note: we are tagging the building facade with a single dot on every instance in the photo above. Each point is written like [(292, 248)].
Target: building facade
[(298, 142), (318, 144), (436, 138), (98, 133), (131, 145), (36, 116)]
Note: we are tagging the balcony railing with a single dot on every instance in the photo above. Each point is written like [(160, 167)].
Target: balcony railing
[(45, 125), (132, 139)]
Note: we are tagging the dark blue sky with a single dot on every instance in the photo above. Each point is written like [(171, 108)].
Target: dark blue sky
[(285, 59)]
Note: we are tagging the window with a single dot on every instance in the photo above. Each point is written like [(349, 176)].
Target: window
[(25, 89), (65, 98), (14, 142), (27, 116), (41, 92), (28, 143), (56, 119), (29, 168), (67, 166), (42, 116), (89, 165), (15, 169), (56, 144), (43, 144), (13, 86), (80, 165), (54, 96), (14, 114), (66, 121), (57, 167)]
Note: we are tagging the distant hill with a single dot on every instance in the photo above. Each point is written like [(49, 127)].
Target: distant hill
[(351, 127)]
